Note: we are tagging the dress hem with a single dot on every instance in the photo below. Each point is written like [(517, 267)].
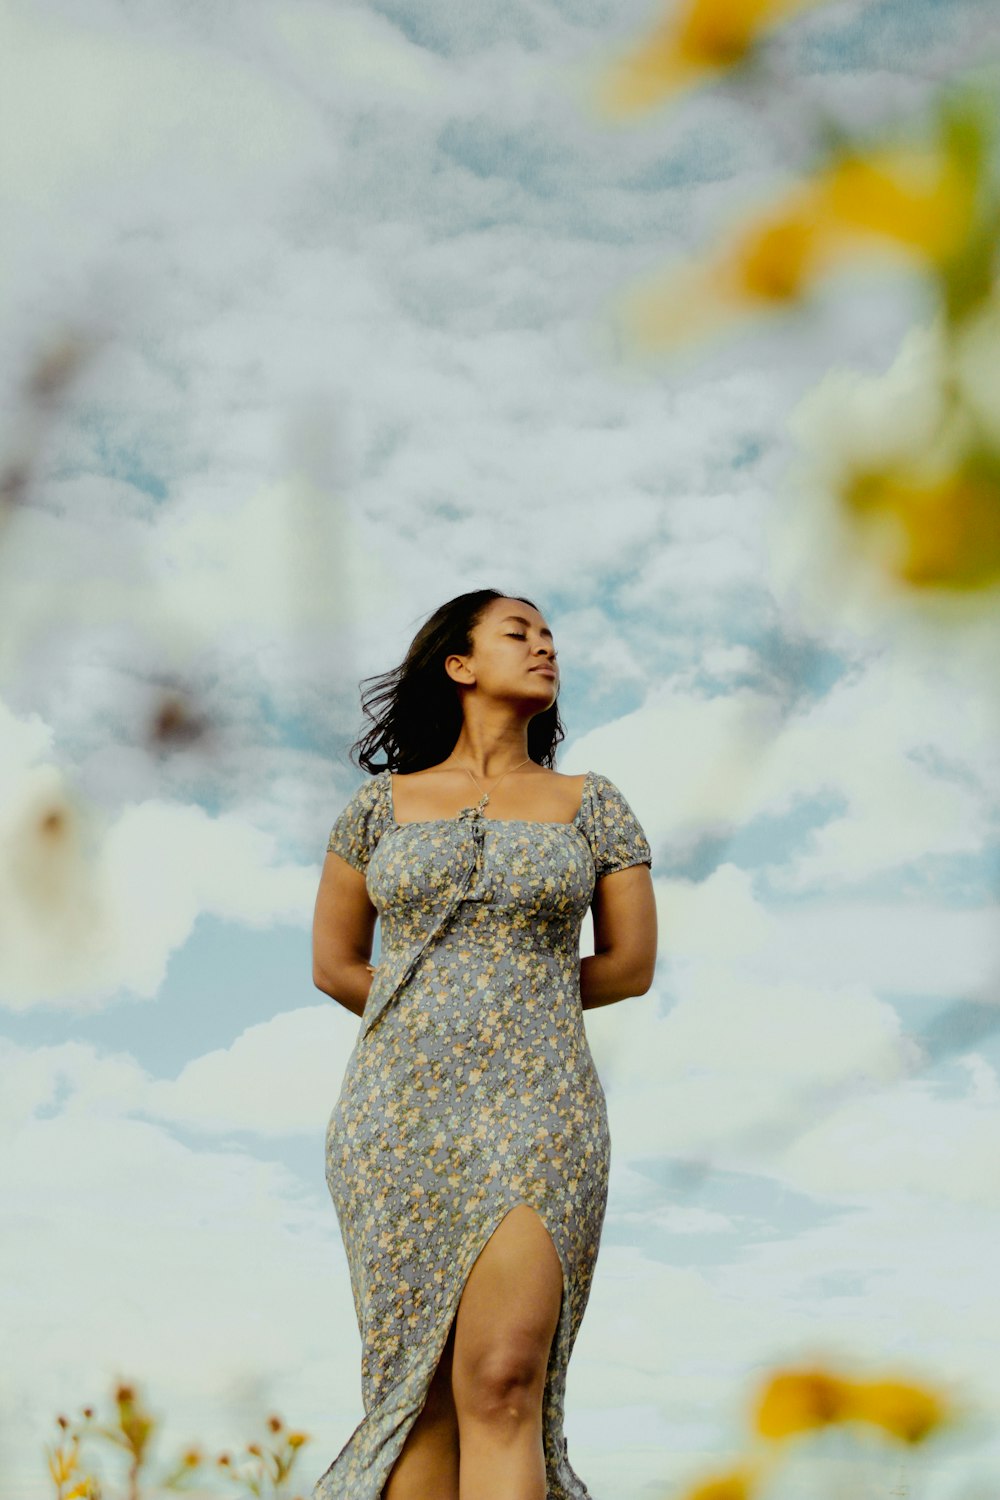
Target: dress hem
[(327, 1489)]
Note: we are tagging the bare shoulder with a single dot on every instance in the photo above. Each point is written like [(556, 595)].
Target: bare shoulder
[(560, 794), (559, 782)]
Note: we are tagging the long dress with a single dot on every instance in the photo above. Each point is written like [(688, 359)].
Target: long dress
[(471, 1088)]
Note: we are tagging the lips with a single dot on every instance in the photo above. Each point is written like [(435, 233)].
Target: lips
[(546, 671)]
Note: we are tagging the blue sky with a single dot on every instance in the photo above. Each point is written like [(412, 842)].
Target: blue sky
[(348, 272)]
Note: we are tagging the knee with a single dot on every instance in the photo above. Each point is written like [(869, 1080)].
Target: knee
[(503, 1386)]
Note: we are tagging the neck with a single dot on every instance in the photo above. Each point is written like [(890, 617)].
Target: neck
[(490, 749)]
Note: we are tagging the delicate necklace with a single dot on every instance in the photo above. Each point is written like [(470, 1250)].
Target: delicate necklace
[(486, 796)]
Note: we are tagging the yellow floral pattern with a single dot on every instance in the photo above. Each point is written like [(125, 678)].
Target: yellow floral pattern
[(471, 1088)]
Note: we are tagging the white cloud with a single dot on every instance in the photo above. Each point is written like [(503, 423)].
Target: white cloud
[(92, 905), (683, 761), (80, 97), (717, 919), (913, 757), (903, 947), (904, 1141), (734, 1057), (360, 48), (271, 576), (280, 1077)]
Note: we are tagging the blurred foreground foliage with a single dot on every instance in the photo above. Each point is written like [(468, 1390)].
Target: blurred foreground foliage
[(899, 496), (923, 511), (263, 1468)]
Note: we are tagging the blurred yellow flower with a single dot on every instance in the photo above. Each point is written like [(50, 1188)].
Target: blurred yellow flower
[(773, 258), (797, 1401), (930, 529), (701, 38), (736, 1484), (908, 1412), (770, 262), (923, 199), (922, 202)]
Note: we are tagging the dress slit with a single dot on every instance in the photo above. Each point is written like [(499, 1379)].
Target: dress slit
[(409, 1396), (562, 1326)]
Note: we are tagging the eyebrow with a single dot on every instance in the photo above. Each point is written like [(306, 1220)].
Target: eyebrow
[(522, 621)]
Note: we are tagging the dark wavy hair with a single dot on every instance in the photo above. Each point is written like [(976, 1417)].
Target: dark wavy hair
[(415, 709)]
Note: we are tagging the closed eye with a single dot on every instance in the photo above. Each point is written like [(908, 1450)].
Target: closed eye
[(519, 635)]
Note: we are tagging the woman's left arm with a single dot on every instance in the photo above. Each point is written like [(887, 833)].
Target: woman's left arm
[(624, 957)]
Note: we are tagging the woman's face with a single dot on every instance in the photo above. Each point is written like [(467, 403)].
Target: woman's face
[(513, 655)]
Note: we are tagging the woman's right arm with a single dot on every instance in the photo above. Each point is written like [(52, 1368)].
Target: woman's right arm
[(343, 928)]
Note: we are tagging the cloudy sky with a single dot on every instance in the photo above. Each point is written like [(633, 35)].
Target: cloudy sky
[(344, 276)]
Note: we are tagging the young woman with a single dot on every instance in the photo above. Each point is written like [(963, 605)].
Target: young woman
[(468, 1151)]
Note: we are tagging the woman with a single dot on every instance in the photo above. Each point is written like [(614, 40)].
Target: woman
[(468, 1152)]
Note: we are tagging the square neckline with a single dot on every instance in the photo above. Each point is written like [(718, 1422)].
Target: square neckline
[(523, 822)]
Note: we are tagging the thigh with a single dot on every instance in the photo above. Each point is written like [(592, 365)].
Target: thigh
[(509, 1309), (440, 1404)]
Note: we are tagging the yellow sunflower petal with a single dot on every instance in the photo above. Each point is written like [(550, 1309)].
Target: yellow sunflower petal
[(706, 38), (798, 1401), (736, 1484), (930, 531), (921, 199), (909, 1412)]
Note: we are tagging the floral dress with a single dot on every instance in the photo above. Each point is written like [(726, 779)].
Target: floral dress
[(470, 1089)]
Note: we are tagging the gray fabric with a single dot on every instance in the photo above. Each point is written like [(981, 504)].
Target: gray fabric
[(471, 1088)]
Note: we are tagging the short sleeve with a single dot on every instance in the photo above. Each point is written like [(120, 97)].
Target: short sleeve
[(360, 825), (616, 837)]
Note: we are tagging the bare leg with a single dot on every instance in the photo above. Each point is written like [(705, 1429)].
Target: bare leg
[(428, 1464), (506, 1321)]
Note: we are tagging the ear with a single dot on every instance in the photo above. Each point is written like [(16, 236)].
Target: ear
[(458, 670)]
